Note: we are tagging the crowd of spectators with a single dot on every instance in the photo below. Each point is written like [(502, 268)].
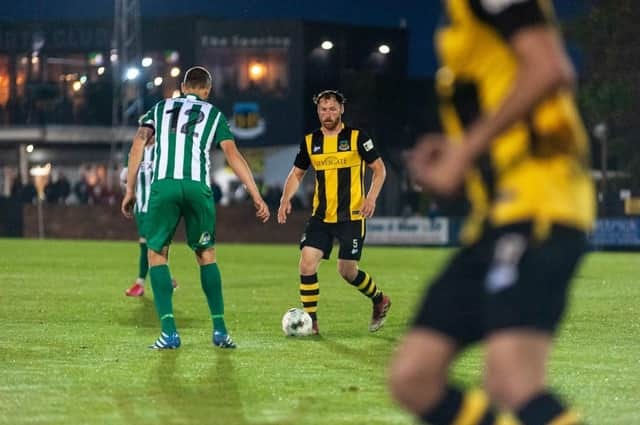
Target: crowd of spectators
[(95, 186)]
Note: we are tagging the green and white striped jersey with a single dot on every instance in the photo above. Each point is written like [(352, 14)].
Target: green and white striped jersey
[(185, 128), (145, 177)]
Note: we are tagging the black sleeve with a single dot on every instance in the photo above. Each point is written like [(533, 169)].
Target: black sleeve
[(367, 148), (302, 158), (509, 16)]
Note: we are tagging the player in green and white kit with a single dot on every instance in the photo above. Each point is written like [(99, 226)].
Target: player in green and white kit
[(143, 189), (185, 128)]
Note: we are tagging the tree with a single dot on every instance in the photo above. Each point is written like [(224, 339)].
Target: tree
[(610, 85)]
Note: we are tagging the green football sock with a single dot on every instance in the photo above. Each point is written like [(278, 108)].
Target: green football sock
[(162, 294), (212, 287), (144, 261)]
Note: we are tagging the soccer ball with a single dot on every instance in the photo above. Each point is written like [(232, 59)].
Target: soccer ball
[(296, 322)]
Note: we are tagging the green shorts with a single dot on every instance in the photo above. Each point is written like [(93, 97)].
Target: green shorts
[(140, 221), (172, 199)]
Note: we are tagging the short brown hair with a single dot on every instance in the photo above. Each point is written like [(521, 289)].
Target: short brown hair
[(328, 94), (197, 78)]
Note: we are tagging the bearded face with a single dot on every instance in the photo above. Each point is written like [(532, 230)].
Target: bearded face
[(330, 113)]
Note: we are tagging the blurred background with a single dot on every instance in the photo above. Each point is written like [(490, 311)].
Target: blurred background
[(75, 77)]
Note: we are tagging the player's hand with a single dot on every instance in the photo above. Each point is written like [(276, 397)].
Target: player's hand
[(127, 204), (437, 164), (284, 211), (368, 207), (262, 210)]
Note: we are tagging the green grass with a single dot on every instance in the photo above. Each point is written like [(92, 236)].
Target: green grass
[(73, 348)]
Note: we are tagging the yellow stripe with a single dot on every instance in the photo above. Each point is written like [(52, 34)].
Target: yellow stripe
[(450, 120), (309, 298), (362, 227), (567, 418), (309, 286), (354, 139), (506, 419), (474, 406), (365, 282), (331, 190), (308, 140), (371, 288), (357, 195), (311, 309), (330, 144)]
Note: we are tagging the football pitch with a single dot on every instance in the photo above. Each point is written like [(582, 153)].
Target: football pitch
[(73, 347)]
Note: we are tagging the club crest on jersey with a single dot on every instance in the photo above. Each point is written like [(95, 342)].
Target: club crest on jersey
[(205, 238), (343, 145)]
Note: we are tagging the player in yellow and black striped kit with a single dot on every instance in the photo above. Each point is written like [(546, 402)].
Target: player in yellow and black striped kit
[(515, 141), (338, 154)]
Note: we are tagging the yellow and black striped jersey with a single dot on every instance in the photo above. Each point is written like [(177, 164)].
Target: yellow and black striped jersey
[(339, 163), (538, 169)]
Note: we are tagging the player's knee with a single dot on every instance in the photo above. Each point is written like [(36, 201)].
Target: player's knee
[(507, 390), (347, 271), (206, 256), (156, 258), (413, 385), (308, 267)]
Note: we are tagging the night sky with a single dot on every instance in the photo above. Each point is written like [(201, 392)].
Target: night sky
[(420, 16)]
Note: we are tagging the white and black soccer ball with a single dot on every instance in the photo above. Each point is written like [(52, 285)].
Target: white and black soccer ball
[(296, 322)]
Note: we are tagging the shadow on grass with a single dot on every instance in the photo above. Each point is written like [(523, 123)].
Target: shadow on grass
[(222, 385), (144, 315), (182, 395), (350, 350)]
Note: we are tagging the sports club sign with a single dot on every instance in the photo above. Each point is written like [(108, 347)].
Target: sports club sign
[(616, 232), (408, 231)]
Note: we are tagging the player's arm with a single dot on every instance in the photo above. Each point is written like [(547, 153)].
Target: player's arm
[(543, 68), (377, 180), (368, 152), (291, 185), (239, 166), (142, 137)]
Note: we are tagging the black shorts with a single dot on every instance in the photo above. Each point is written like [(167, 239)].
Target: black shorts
[(350, 235), (505, 280)]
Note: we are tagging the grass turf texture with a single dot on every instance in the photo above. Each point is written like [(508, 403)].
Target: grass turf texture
[(74, 347)]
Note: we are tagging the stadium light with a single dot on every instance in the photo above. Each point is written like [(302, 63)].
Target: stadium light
[(257, 71), (157, 81), (176, 93), (171, 56), (29, 148), (175, 71), (384, 49), (83, 79), (100, 70), (132, 73), (326, 45), (40, 176), (146, 62), (76, 86)]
